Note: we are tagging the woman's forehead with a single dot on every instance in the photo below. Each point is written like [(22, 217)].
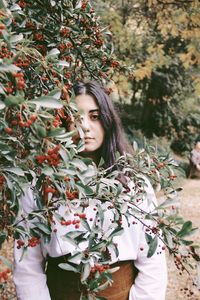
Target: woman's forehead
[(86, 103)]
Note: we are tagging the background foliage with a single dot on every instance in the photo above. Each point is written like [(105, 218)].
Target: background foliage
[(160, 39)]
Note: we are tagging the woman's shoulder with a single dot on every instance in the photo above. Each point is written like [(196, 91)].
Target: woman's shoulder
[(145, 188)]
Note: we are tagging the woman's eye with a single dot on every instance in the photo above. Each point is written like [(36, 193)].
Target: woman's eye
[(95, 117)]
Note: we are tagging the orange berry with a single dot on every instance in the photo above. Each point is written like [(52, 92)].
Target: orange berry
[(8, 130)]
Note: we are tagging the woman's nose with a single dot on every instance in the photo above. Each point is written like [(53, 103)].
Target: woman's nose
[(85, 124)]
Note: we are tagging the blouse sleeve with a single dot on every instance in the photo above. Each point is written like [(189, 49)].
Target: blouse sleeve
[(151, 281), (29, 275)]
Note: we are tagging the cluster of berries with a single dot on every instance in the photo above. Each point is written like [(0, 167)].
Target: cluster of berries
[(53, 157), (32, 242), (99, 268), (71, 195), (75, 222), (22, 62), (20, 122), (4, 51)]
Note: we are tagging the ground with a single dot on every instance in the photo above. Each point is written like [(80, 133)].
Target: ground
[(189, 209), (179, 285)]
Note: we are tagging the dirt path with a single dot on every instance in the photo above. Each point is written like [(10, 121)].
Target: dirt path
[(190, 210)]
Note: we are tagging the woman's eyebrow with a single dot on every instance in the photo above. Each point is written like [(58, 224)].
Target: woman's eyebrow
[(94, 110)]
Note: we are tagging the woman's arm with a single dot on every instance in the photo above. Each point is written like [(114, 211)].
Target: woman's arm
[(29, 276), (151, 281), (29, 272)]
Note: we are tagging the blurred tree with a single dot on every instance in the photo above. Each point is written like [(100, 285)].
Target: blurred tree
[(161, 41)]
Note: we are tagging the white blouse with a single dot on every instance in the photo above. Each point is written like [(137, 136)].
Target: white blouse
[(150, 283)]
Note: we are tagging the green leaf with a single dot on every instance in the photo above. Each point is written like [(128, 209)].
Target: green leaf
[(185, 230), (3, 237), (69, 240), (108, 182), (4, 147), (43, 227), (18, 171), (152, 246), (53, 52), (102, 287), (47, 171), (187, 243), (78, 163), (148, 238), (56, 93), (9, 68), (46, 101), (75, 234), (13, 100), (116, 232), (68, 267), (66, 136), (167, 203), (15, 7), (98, 246), (76, 258), (85, 225), (2, 105), (20, 229), (85, 189), (113, 270), (41, 131), (85, 272), (24, 251), (63, 63), (56, 132), (16, 38)]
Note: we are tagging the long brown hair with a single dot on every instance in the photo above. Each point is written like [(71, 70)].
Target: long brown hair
[(115, 140)]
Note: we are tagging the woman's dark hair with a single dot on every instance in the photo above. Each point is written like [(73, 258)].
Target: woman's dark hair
[(114, 140)]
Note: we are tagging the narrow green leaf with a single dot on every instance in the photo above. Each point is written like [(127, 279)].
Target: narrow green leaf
[(17, 171), (185, 230), (3, 237), (9, 68), (16, 38), (2, 105), (43, 227), (56, 132), (41, 131), (116, 232), (53, 52), (13, 100), (85, 272), (152, 246), (47, 101), (68, 267)]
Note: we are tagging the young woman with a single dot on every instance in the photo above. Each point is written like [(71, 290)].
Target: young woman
[(103, 137)]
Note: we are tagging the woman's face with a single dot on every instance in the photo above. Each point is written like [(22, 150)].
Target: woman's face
[(93, 129)]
